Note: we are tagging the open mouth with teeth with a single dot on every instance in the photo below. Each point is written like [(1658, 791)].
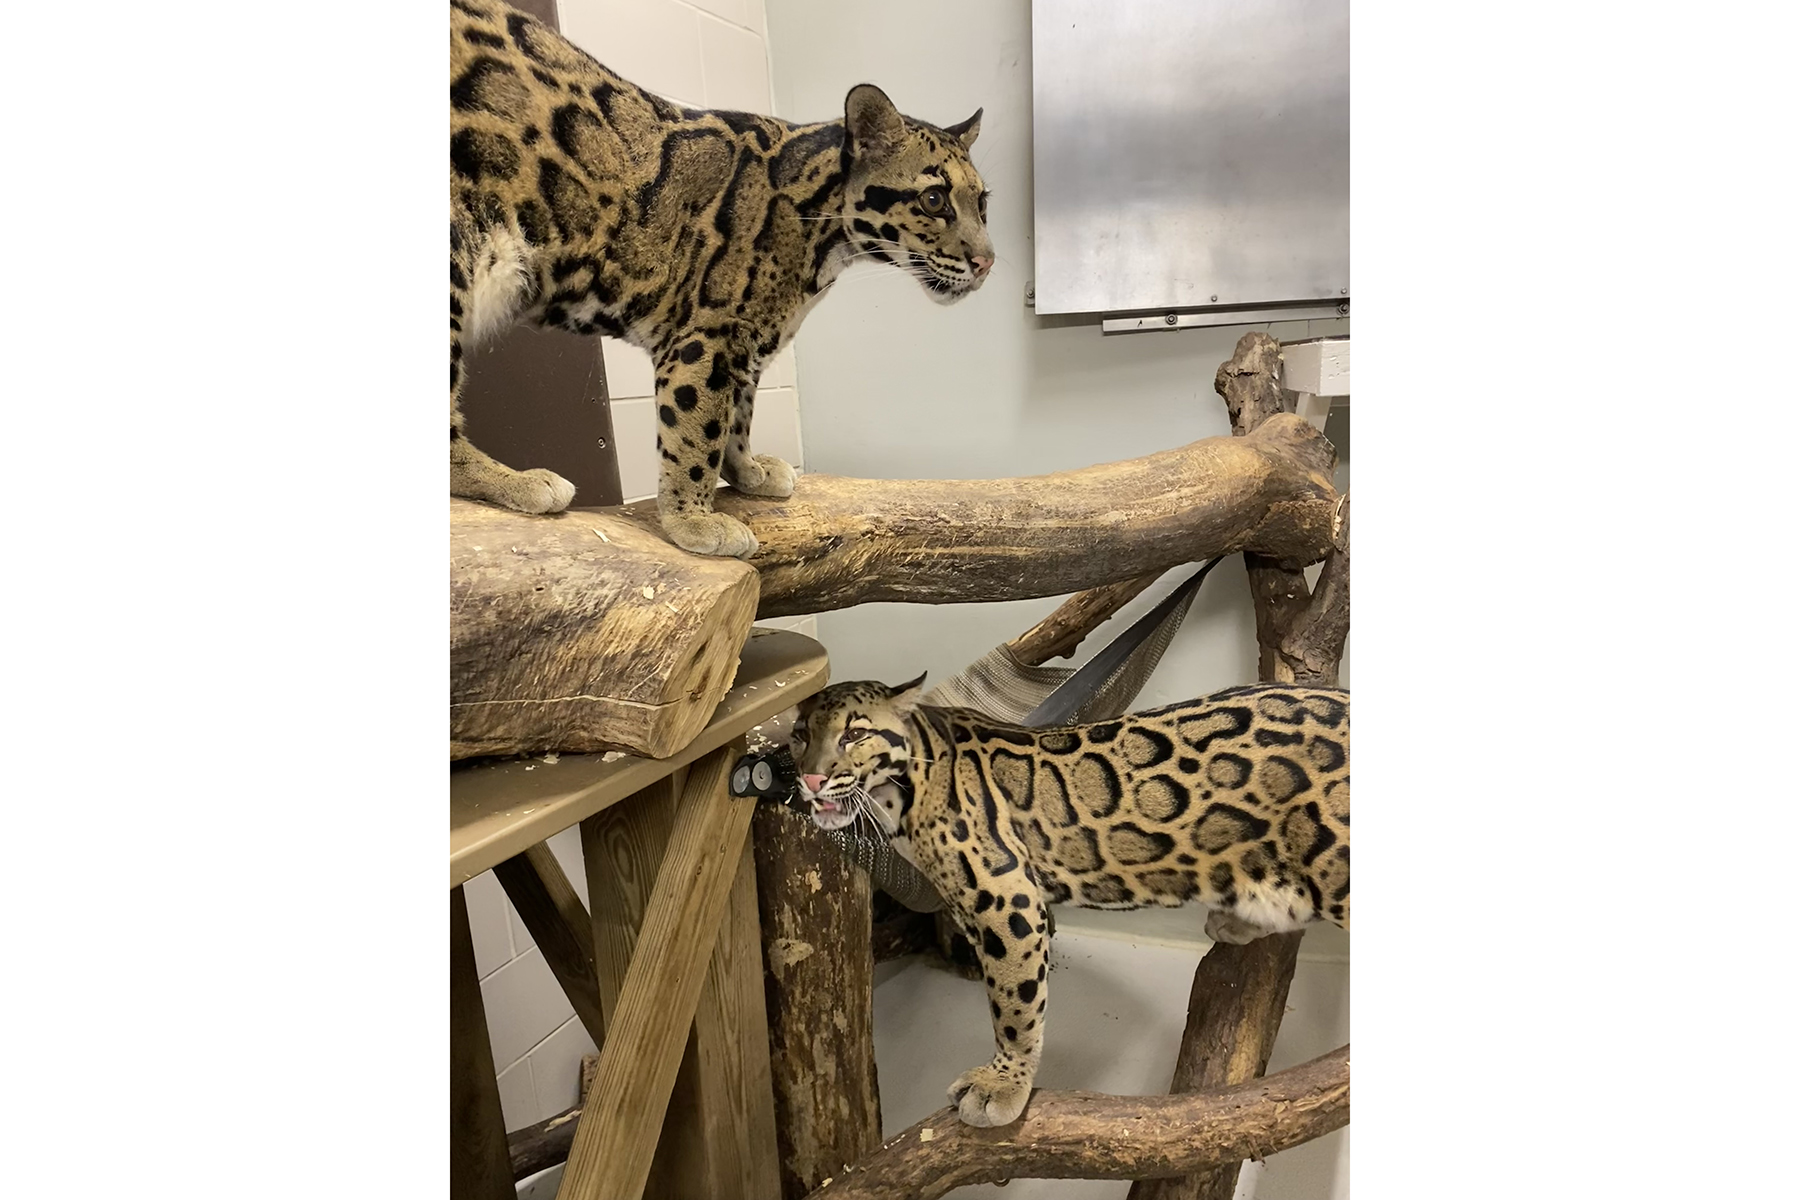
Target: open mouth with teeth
[(829, 813)]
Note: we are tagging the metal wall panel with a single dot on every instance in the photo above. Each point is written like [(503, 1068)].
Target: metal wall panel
[(1190, 153)]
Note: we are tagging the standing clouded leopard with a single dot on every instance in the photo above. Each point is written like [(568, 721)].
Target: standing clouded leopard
[(582, 201), (1240, 801)]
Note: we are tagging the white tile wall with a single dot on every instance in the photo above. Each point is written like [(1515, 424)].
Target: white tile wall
[(653, 43), (735, 65)]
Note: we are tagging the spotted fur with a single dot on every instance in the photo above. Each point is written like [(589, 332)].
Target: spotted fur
[(1240, 801), (582, 201)]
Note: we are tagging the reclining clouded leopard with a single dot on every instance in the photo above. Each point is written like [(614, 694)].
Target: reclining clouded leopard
[(582, 201), (1240, 801)]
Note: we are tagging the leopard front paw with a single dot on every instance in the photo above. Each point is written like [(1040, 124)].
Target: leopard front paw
[(991, 1094), (761, 475), (711, 533), (548, 489), (1222, 926)]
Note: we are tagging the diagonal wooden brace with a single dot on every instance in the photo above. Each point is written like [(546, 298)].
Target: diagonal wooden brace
[(648, 1031)]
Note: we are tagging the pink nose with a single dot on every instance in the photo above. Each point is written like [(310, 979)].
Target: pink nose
[(813, 782), (982, 264)]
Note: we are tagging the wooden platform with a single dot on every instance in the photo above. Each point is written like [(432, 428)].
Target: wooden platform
[(667, 972)]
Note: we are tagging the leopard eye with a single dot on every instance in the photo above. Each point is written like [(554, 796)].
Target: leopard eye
[(851, 737), (981, 205), (935, 201)]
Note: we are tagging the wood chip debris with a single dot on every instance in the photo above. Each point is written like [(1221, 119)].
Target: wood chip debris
[(649, 592), (602, 534)]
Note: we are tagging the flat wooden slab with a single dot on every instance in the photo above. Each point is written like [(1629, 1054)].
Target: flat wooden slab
[(498, 810)]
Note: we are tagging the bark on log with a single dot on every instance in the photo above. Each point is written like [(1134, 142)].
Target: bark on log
[(1087, 1135), (840, 542), (1240, 992), (819, 980), (539, 1147), (561, 639)]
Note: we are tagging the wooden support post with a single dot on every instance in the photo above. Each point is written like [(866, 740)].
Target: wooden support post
[(733, 1100), (821, 999), (622, 848), (1240, 992), (547, 903), (479, 1166), (651, 1021)]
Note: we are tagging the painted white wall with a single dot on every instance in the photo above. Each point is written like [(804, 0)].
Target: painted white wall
[(895, 386), (704, 54)]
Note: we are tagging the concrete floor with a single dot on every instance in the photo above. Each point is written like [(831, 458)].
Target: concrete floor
[(1119, 987)]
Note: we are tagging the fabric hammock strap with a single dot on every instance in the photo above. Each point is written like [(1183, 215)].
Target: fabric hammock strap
[(1116, 674)]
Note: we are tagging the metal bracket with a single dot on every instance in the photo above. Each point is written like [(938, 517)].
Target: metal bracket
[(1225, 316)]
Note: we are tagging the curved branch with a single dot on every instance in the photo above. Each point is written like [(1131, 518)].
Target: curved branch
[(1086, 1135)]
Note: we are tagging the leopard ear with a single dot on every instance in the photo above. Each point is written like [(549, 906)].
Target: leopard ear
[(875, 125), (905, 698), (967, 131)]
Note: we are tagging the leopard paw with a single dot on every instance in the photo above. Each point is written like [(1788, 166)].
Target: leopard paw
[(1222, 926), (544, 491), (761, 475), (990, 1095), (711, 533)]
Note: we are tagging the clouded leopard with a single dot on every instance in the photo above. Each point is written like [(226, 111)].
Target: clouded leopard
[(582, 201), (1240, 801)]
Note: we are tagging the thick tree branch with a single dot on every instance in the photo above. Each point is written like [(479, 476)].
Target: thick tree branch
[(1087, 1135), (1240, 992), (840, 542)]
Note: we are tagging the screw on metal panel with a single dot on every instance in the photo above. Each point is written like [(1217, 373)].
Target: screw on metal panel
[(1343, 291), (1343, 310), (1169, 320), (1031, 293), (1215, 299), (602, 442)]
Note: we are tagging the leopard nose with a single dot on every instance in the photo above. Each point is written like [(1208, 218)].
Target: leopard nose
[(982, 263), (813, 782)]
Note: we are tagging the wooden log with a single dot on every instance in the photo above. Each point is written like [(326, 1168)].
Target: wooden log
[(558, 923), (820, 989), (541, 1146), (1234, 1010), (563, 640), (479, 1169), (840, 542), (616, 1137), (1240, 992), (1087, 1135)]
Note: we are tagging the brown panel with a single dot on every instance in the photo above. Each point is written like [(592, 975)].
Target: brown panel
[(537, 398), (543, 10)]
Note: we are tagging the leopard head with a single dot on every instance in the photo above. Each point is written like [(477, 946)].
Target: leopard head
[(913, 198), (851, 746)]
